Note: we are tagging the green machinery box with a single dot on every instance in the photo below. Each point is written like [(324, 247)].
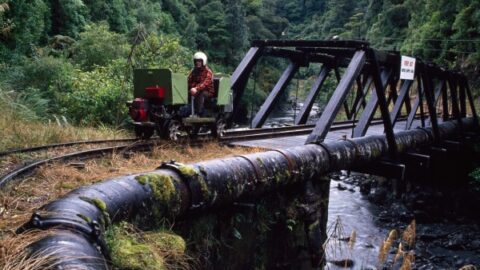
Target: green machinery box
[(175, 84)]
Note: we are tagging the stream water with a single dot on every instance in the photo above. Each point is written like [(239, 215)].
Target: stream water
[(442, 241), (349, 212)]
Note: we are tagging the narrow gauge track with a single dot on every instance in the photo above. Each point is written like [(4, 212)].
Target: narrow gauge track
[(57, 145), (229, 136), (275, 132), (10, 176)]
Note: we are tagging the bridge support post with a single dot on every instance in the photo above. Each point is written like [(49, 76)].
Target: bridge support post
[(371, 108), (402, 98), (274, 96), (430, 98), (323, 124), (240, 76), (307, 105), (452, 82)]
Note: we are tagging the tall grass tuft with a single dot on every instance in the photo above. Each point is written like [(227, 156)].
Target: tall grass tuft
[(404, 258), (24, 122), (409, 234), (15, 255), (386, 245), (337, 249)]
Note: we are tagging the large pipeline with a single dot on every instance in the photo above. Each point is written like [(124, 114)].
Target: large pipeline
[(83, 214)]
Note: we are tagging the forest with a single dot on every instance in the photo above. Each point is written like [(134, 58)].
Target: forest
[(72, 60)]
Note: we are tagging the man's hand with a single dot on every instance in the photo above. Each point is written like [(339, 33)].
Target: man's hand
[(193, 91)]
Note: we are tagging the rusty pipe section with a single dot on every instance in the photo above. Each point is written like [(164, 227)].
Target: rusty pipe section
[(84, 214)]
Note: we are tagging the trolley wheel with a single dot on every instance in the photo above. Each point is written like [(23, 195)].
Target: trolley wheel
[(174, 130), (162, 130), (193, 131), (144, 132), (218, 129)]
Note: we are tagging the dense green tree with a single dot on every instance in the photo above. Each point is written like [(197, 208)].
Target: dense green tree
[(98, 46), (237, 25), (31, 22), (68, 17), (213, 35)]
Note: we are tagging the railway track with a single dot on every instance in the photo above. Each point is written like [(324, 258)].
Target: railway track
[(92, 153), (58, 145), (275, 132), (228, 136)]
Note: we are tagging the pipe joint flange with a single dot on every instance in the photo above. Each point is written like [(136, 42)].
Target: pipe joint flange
[(93, 230), (194, 178), (98, 236), (251, 182), (427, 131), (323, 146), (37, 221), (259, 172), (358, 154), (292, 163)]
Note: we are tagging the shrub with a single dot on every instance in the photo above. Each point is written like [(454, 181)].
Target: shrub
[(163, 52), (97, 96), (98, 46)]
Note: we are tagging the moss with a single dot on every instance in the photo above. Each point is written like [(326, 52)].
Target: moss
[(162, 187), (87, 219), (260, 161), (187, 170), (314, 225), (278, 176), (164, 193), (142, 179), (167, 242), (102, 206), (288, 174), (67, 185), (128, 251), (191, 173)]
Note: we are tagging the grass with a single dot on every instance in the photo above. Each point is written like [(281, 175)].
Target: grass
[(20, 126), (14, 254)]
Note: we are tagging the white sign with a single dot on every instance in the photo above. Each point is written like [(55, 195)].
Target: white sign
[(407, 68)]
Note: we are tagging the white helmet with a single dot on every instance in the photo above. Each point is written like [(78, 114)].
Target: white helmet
[(200, 56)]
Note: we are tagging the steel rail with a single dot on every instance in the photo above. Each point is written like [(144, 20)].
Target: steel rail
[(56, 145), (262, 133), (10, 176)]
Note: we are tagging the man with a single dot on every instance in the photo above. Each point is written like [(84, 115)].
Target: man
[(200, 82)]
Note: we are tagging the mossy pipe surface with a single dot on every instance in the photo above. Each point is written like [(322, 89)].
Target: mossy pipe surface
[(83, 214)]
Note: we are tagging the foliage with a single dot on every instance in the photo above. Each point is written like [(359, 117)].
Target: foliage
[(475, 174), (98, 46), (30, 22), (29, 113), (160, 51), (97, 96), (46, 73), (68, 16)]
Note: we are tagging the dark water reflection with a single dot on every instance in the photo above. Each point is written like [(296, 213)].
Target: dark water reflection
[(353, 212)]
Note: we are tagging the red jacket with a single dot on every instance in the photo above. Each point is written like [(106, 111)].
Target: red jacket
[(202, 79)]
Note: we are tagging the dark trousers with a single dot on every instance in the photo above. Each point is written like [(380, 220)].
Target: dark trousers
[(200, 101)]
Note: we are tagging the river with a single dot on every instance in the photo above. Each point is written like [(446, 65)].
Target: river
[(443, 241)]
